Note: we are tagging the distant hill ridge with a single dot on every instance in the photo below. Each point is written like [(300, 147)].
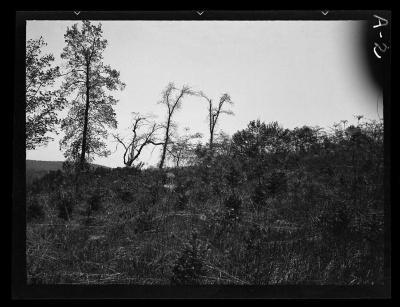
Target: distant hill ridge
[(41, 165), (38, 168)]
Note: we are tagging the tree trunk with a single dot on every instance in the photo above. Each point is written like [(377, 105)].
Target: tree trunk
[(211, 138), (211, 124), (85, 125), (165, 143), (129, 163)]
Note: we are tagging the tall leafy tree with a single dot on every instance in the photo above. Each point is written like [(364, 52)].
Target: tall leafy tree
[(89, 83), (42, 101)]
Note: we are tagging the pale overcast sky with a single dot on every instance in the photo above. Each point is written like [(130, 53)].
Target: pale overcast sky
[(294, 72)]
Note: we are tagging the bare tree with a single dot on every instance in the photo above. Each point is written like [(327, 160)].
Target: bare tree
[(173, 103), (182, 148), (139, 140), (215, 112)]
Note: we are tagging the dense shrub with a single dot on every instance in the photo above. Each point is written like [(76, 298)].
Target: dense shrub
[(276, 182), (34, 210), (101, 171), (189, 268), (259, 196), (233, 174), (144, 221), (94, 202), (369, 226), (124, 193), (35, 187), (182, 194), (50, 181), (65, 203), (333, 223), (71, 167), (233, 205)]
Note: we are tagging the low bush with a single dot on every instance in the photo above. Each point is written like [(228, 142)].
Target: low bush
[(94, 201), (276, 182), (189, 268), (65, 203), (333, 222), (143, 221), (34, 210), (124, 194), (233, 206)]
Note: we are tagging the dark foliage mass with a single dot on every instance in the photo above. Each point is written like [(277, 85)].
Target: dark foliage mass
[(42, 100), (88, 84), (267, 206)]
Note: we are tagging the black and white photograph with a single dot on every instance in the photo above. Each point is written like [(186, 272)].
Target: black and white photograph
[(205, 152)]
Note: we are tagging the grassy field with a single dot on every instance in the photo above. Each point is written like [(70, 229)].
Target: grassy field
[(303, 219)]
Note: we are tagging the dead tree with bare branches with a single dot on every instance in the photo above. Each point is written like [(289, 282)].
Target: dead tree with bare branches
[(214, 112), (172, 98), (139, 139)]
